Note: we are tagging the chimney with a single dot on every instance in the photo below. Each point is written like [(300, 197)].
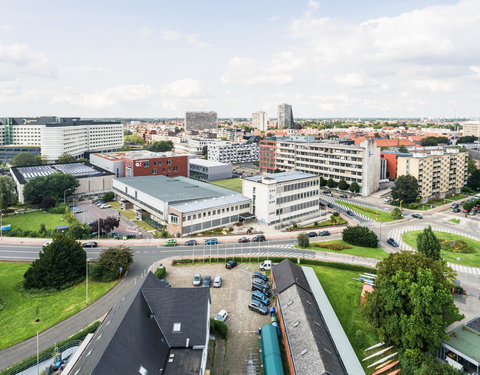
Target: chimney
[(188, 342)]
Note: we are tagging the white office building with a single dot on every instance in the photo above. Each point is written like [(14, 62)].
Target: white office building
[(260, 120), (208, 170), (227, 152), (283, 197)]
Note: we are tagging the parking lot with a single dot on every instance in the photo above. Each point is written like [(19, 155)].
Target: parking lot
[(233, 296)]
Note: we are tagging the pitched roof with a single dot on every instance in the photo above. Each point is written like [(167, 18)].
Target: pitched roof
[(286, 273)]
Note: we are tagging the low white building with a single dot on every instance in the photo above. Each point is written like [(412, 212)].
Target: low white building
[(227, 152), (283, 197), (208, 170)]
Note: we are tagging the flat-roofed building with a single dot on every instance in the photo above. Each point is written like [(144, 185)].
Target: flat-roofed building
[(200, 120), (471, 128), (208, 170), (227, 152), (260, 120)]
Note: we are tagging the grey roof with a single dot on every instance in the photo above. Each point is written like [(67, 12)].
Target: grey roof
[(206, 163), (282, 177), (286, 274), (204, 204), (474, 324), (340, 339), (178, 189)]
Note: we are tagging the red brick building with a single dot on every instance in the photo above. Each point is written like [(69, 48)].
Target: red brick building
[(267, 156), (392, 159)]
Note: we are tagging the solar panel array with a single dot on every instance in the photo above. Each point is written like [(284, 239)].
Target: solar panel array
[(36, 171), (75, 169)]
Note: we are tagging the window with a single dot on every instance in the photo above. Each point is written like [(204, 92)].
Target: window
[(154, 163), (154, 170), (169, 162), (177, 327), (159, 163), (175, 169), (145, 163)]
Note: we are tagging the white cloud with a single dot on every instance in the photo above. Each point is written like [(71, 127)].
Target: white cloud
[(83, 69), (183, 88), (194, 41), (169, 35), (21, 60), (5, 27), (146, 31), (433, 85)]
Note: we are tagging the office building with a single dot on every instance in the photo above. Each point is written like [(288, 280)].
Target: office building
[(200, 120), (391, 160), (471, 128), (192, 146), (438, 173), (285, 116), (10, 151), (208, 170), (184, 205), (283, 197), (267, 156), (233, 152), (260, 120), (56, 136)]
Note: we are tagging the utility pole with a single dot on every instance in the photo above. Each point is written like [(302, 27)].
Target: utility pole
[(86, 292)]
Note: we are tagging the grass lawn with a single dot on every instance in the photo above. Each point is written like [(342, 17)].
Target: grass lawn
[(129, 214), (144, 225), (32, 220), (344, 296), (370, 212), (472, 259), (115, 204), (457, 197), (326, 223), (360, 251), (455, 221), (17, 318), (234, 184)]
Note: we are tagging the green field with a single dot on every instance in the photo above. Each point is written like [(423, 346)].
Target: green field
[(234, 184), (472, 259), (17, 317), (360, 251), (370, 212), (326, 223), (32, 220), (454, 221)]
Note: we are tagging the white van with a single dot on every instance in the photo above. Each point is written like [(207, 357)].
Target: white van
[(266, 265)]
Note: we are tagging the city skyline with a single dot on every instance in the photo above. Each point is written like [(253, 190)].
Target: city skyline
[(375, 59)]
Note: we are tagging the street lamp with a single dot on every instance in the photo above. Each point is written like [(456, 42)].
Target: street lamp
[(64, 195)]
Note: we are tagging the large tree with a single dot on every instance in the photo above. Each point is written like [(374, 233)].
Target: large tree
[(474, 180), (25, 159), (428, 243), (303, 240), (411, 303), (54, 185), (472, 166), (433, 141), (135, 139), (162, 146), (110, 262), (405, 189), (59, 265), (66, 158), (403, 149), (330, 183), (106, 225), (342, 184), (354, 187), (8, 194), (360, 236)]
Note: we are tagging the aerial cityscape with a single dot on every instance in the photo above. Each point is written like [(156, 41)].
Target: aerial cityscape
[(253, 188)]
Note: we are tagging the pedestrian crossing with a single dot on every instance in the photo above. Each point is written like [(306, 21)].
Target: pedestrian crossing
[(333, 200), (465, 269)]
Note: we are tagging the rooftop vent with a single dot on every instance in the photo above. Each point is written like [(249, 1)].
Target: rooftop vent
[(177, 327), (142, 370), (289, 303)]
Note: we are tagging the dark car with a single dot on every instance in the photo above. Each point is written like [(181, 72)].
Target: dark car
[(330, 205), (392, 242), (261, 288), (230, 264), (207, 281), (417, 216), (260, 281), (324, 233), (91, 223), (259, 238), (260, 275), (211, 241), (190, 243), (350, 212), (260, 297), (456, 210), (243, 240), (258, 307), (90, 244), (312, 234), (455, 205), (165, 282), (343, 196)]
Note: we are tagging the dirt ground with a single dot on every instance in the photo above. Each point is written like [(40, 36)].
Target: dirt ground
[(233, 296)]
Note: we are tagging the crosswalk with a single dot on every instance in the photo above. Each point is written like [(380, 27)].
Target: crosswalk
[(465, 269), (333, 200)]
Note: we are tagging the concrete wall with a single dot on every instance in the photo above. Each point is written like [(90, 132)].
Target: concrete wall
[(114, 166)]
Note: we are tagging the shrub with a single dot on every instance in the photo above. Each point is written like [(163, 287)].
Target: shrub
[(303, 240), (360, 236), (161, 272), (467, 190), (108, 197), (336, 246), (413, 205), (218, 327), (58, 209), (110, 262), (396, 213), (46, 203)]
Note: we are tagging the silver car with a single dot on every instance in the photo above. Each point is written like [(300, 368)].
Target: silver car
[(197, 280), (217, 281)]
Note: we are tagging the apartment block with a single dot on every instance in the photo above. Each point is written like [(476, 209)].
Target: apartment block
[(192, 146), (259, 120), (283, 197), (285, 116), (471, 128), (200, 120), (438, 173), (233, 152), (267, 156)]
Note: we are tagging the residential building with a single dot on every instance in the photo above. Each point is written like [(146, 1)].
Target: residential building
[(329, 159), (260, 120), (391, 159), (184, 205), (192, 146), (285, 116), (200, 120), (438, 173), (230, 134), (471, 128), (267, 156), (153, 329), (283, 197), (56, 136), (93, 180), (208, 170), (142, 163), (227, 152)]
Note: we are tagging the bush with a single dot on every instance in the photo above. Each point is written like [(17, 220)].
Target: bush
[(46, 203), (303, 240), (161, 272), (110, 262), (58, 209), (218, 327), (360, 236), (467, 190), (413, 206), (108, 197), (396, 214), (336, 246)]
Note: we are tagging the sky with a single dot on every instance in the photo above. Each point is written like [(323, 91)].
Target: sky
[(335, 58)]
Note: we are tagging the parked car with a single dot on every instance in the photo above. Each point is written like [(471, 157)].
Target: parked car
[(243, 240), (165, 282), (207, 279), (417, 216), (392, 242), (266, 265), (260, 297), (343, 196), (105, 206), (259, 238), (312, 234), (324, 233), (197, 279), (456, 210), (388, 199), (260, 281), (47, 243), (91, 223), (330, 205), (170, 242), (222, 315), (455, 205), (258, 307), (190, 243), (217, 281), (329, 194), (90, 244), (262, 276), (99, 202), (96, 200), (211, 241), (231, 264), (261, 288)]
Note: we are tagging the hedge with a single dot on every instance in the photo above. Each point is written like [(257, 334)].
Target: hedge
[(218, 327)]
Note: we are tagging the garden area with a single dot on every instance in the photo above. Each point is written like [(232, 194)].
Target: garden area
[(326, 223), (31, 221), (376, 215), (453, 246), (342, 247), (234, 184)]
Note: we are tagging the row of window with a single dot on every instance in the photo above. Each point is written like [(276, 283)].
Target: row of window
[(294, 197), (147, 163), (154, 170), (300, 185), (216, 212)]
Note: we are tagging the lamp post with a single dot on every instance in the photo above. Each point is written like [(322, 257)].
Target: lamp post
[(64, 195), (86, 291)]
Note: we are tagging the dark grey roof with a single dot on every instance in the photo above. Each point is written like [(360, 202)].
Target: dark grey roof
[(286, 273)]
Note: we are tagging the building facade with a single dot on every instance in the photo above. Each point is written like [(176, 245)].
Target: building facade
[(285, 116), (471, 128), (283, 197), (267, 156), (438, 173), (200, 120), (208, 170), (391, 158), (260, 120), (192, 146), (233, 152)]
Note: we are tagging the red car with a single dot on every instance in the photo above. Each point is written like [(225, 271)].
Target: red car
[(243, 240)]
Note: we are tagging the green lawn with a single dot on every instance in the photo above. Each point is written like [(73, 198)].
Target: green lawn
[(472, 259), (344, 296), (370, 212), (116, 205), (457, 197), (455, 221), (360, 251), (129, 214), (17, 318), (143, 224), (234, 184), (326, 223), (32, 220)]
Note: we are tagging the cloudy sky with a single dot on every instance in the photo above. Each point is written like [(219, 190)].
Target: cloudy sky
[(159, 58)]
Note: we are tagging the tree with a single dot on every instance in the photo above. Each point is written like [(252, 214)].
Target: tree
[(60, 264), (411, 302), (66, 158), (303, 240), (330, 183), (8, 194), (323, 182), (433, 141), (474, 180), (396, 213), (354, 187), (54, 185), (108, 197), (106, 225), (377, 135), (25, 159), (403, 149), (163, 146), (466, 139), (46, 203), (135, 139), (360, 236), (342, 184), (428, 243), (405, 189), (472, 166), (110, 262), (78, 231)]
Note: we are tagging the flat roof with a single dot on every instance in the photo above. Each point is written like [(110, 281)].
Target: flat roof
[(282, 177), (207, 203), (136, 155), (466, 340), (206, 163)]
